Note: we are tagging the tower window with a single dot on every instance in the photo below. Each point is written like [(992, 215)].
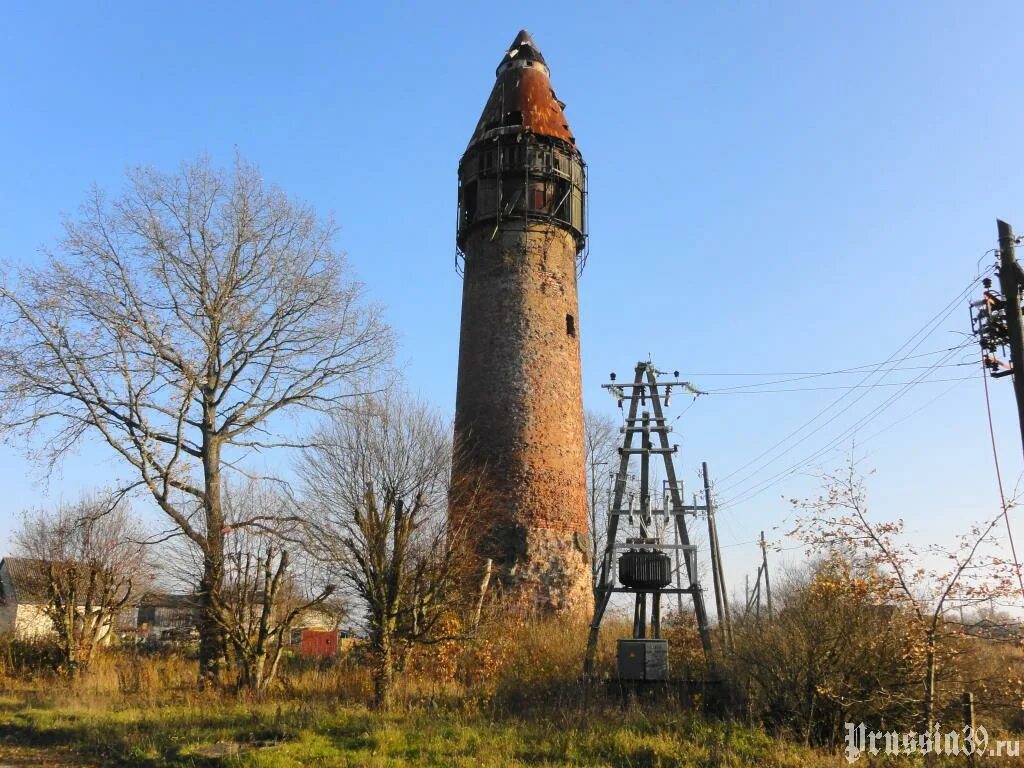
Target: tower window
[(469, 202), (570, 325)]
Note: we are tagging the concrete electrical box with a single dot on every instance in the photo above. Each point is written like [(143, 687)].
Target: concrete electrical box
[(643, 659)]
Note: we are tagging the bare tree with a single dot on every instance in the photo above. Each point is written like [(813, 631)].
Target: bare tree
[(177, 324), (85, 560), (262, 597), (601, 446), (835, 651), (966, 570), (377, 485)]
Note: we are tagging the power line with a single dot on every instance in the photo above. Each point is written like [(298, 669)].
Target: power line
[(764, 485), (886, 428), (999, 477), (824, 424), (821, 389), (916, 411), (920, 335), (758, 541), (851, 369), (846, 372)]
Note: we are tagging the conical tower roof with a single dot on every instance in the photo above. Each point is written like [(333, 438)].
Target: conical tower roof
[(522, 49), (522, 97)]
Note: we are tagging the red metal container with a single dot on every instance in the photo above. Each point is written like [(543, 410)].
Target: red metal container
[(319, 642)]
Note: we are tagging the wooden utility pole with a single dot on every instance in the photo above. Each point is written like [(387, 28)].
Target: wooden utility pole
[(679, 566), (767, 583), (647, 388), (757, 596), (1010, 279), (718, 577), (968, 706), (605, 581), (678, 505)]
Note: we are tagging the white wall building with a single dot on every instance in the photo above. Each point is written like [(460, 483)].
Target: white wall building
[(22, 604)]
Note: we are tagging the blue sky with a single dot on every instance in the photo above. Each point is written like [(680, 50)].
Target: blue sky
[(774, 187)]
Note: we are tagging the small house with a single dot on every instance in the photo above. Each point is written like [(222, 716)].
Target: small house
[(23, 599), (164, 616)]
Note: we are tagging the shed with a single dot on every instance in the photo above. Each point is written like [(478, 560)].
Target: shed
[(318, 643)]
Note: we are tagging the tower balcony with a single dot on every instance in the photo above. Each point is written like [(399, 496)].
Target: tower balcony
[(515, 177)]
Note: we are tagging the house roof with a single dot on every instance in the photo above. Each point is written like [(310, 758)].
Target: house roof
[(168, 600), (28, 578), (993, 630)]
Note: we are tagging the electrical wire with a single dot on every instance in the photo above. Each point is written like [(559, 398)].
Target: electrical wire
[(817, 416), (861, 422), (683, 412), (927, 329), (758, 541), (999, 477), (822, 389), (846, 372), (915, 411), (869, 438), (937, 318), (764, 485), (851, 369)]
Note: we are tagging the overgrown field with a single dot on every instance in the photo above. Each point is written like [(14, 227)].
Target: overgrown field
[(310, 734), (512, 700), (491, 705)]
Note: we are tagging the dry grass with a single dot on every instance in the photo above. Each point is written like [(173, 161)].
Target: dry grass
[(510, 698)]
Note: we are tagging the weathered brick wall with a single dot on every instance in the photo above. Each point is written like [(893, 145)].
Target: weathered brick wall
[(519, 412)]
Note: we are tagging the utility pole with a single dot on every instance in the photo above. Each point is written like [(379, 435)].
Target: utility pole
[(644, 555), (679, 565), (718, 577), (1010, 279), (997, 324), (968, 707), (764, 567), (757, 597)]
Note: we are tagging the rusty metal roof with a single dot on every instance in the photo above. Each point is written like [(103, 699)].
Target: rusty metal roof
[(522, 97), (522, 49)]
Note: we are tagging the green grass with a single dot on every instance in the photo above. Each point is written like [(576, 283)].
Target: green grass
[(293, 734), (296, 734)]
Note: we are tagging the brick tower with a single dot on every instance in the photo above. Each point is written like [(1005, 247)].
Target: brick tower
[(519, 412)]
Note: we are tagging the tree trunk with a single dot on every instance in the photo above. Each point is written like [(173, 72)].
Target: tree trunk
[(212, 643), (274, 663), (812, 700), (384, 675), (70, 647), (929, 682), (212, 646), (259, 680)]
